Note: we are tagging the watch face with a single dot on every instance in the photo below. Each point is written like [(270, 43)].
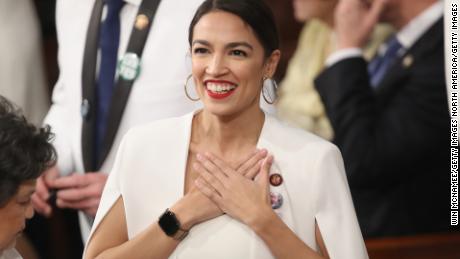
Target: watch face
[(169, 223)]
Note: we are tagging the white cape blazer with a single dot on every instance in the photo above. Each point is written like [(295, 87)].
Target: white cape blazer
[(149, 175)]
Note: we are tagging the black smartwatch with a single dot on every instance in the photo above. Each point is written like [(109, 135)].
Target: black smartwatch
[(171, 226)]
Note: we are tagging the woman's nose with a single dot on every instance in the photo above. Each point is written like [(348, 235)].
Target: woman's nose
[(217, 66)]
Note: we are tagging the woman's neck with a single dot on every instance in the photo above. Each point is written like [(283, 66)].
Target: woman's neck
[(227, 134)]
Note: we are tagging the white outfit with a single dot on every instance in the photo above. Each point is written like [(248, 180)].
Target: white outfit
[(22, 78), (157, 93), (10, 254), (149, 175)]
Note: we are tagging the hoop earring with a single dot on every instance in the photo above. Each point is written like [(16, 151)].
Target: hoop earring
[(186, 92), (270, 100)]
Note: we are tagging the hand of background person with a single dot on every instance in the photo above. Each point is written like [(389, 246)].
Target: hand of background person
[(355, 21), (238, 196), (80, 191), (42, 191), (187, 206)]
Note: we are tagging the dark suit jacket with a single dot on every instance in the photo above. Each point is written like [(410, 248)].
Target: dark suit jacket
[(395, 139)]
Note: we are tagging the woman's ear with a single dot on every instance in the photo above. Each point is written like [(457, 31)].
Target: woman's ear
[(272, 63)]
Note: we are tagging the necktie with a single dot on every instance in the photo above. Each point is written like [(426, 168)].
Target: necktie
[(109, 38), (378, 67)]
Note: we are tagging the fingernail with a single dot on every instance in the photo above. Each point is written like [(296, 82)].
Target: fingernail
[(267, 160), (270, 159), (199, 157)]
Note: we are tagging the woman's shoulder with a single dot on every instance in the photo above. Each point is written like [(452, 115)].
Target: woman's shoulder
[(286, 136)]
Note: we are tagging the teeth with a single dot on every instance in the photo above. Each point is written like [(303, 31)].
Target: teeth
[(219, 87)]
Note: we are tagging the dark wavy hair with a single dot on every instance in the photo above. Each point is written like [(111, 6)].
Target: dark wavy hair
[(25, 150), (253, 12)]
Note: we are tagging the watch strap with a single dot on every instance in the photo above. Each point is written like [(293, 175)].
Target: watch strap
[(180, 234)]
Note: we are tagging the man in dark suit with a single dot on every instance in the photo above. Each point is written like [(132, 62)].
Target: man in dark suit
[(390, 116)]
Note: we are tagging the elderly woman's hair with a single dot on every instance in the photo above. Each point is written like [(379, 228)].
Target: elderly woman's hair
[(25, 150), (253, 12)]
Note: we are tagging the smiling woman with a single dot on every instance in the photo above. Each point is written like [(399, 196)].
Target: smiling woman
[(227, 181), (25, 152), (229, 63)]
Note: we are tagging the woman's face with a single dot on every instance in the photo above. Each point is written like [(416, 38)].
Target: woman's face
[(228, 63), (14, 214), (308, 9)]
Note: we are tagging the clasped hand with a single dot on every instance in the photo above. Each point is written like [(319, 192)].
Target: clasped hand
[(195, 207), (236, 194), (75, 191)]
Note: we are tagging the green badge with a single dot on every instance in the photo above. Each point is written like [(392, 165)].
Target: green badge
[(129, 66)]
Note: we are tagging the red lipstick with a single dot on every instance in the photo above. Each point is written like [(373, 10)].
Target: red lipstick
[(221, 95)]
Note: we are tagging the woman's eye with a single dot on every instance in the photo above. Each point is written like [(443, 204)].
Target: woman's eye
[(200, 51), (239, 53)]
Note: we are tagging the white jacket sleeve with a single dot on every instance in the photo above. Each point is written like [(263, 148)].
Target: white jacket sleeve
[(335, 214)]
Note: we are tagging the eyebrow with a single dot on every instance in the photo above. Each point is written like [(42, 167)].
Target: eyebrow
[(227, 46)]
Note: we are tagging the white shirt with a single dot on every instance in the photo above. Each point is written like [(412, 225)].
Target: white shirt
[(407, 36), (10, 254)]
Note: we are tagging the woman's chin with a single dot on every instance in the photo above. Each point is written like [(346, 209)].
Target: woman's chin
[(219, 110)]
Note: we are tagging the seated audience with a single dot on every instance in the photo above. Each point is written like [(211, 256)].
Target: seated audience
[(25, 152)]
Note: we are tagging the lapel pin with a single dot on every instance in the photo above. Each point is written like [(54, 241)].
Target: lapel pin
[(84, 108), (276, 179), (276, 200), (129, 66), (142, 21), (408, 61)]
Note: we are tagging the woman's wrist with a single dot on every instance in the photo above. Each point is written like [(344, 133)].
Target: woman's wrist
[(184, 214), (261, 219)]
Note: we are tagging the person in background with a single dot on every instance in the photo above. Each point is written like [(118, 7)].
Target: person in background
[(390, 115), (25, 152), (209, 173), (299, 103), (157, 92)]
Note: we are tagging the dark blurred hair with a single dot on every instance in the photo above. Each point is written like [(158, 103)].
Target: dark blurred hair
[(253, 12), (25, 151)]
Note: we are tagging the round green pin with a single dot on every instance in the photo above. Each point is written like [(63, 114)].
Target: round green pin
[(129, 66)]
